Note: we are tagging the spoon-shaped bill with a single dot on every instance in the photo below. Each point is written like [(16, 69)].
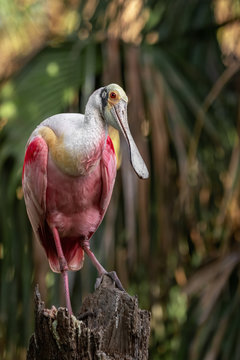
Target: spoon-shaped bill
[(119, 112)]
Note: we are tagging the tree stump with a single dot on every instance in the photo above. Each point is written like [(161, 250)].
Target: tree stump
[(110, 325)]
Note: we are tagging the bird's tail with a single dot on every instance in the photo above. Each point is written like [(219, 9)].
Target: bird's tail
[(73, 254), (72, 250)]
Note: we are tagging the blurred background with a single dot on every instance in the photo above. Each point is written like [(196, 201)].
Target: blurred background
[(174, 239)]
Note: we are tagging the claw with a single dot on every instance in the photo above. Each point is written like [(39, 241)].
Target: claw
[(111, 275), (115, 279), (101, 271)]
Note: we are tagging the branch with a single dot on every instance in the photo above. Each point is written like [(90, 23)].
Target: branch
[(110, 326)]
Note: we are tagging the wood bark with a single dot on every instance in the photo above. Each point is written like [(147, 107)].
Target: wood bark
[(110, 325)]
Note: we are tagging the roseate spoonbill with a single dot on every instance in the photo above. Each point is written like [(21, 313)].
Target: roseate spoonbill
[(68, 176)]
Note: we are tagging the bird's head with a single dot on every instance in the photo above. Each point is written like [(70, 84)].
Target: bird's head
[(114, 109)]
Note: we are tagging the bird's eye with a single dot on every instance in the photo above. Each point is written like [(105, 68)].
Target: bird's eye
[(113, 95)]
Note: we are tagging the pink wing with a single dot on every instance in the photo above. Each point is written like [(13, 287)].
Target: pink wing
[(108, 168), (34, 181)]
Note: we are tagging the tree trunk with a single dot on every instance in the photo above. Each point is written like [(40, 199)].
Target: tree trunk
[(110, 326)]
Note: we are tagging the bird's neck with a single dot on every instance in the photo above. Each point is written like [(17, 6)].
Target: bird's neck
[(93, 116), (95, 128)]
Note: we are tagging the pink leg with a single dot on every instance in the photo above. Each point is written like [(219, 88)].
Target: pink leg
[(63, 268), (99, 267), (94, 260)]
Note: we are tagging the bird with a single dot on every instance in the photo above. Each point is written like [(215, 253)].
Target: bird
[(68, 176)]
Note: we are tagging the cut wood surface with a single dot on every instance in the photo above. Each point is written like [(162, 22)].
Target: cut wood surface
[(110, 325)]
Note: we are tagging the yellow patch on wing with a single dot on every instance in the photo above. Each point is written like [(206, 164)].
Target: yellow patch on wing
[(114, 135), (49, 136), (62, 158)]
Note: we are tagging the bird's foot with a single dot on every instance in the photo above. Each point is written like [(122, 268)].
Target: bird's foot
[(101, 271), (113, 276)]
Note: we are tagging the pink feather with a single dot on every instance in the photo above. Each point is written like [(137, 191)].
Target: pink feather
[(74, 205)]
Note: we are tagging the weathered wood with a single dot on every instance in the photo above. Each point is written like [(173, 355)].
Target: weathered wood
[(110, 326)]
